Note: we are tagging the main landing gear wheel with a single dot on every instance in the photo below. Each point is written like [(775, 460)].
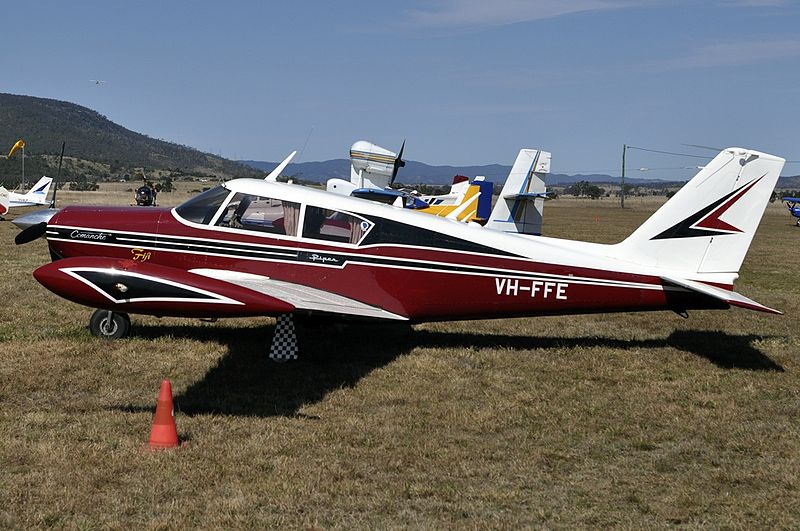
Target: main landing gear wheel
[(109, 325)]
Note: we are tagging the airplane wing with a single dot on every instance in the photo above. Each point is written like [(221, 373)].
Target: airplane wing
[(299, 296), (138, 286), (730, 297)]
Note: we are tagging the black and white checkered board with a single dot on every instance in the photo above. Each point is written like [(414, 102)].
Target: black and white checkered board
[(284, 341)]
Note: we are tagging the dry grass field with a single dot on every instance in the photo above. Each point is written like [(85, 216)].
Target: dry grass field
[(630, 420)]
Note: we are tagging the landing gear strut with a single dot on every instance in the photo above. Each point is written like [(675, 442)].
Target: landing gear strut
[(109, 325)]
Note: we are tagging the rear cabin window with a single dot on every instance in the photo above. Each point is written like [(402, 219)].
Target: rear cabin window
[(332, 225), (261, 214), (201, 208)]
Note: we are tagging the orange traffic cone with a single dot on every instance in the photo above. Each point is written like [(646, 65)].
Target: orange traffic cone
[(164, 433)]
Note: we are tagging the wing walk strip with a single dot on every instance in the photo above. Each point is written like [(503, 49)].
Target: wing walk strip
[(299, 255)]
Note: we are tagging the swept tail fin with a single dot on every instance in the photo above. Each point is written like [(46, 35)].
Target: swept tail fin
[(41, 188), (706, 228)]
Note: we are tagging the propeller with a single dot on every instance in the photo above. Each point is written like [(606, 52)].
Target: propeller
[(31, 233), (398, 163)]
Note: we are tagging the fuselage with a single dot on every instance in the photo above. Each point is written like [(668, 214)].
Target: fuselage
[(422, 268)]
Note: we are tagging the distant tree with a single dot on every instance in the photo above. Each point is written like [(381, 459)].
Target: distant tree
[(594, 192), (585, 188), (84, 186), (165, 185)]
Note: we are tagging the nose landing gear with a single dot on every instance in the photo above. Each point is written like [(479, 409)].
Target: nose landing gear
[(109, 325)]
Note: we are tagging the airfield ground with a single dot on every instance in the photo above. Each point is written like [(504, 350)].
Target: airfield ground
[(631, 420)]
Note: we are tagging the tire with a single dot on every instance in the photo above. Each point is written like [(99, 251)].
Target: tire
[(117, 328)]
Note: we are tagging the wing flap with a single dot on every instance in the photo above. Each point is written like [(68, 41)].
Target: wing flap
[(730, 297), (300, 296)]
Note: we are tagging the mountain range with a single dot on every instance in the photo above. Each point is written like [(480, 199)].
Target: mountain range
[(98, 148), (420, 173)]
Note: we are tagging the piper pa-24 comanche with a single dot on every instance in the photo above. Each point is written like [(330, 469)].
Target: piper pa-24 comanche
[(257, 248)]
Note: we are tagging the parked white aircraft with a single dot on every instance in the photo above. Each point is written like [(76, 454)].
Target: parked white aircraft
[(35, 196)]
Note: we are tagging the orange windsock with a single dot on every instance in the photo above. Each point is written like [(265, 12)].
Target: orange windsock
[(19, 145), (164, 433)]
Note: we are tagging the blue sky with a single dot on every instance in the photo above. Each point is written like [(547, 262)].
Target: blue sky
[(463, 81)]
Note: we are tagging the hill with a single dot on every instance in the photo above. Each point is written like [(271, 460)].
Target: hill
[(90, 136)]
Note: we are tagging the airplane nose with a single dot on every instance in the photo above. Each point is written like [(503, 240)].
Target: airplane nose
[(34, 218)]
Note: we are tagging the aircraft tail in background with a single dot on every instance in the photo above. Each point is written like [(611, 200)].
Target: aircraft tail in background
[(41, 188), (35, 196), (520, 207), (467, 201)]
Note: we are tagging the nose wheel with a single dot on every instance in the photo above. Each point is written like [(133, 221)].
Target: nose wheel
[(109, 325)]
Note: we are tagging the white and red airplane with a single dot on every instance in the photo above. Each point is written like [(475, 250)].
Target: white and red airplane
[(257, 248)]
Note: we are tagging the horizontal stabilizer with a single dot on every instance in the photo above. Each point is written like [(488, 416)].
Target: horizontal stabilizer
[(729, 297), (526, 197)]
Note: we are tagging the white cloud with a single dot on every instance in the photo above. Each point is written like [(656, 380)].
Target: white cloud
[(754, 3), (739, 53), (484, 13)]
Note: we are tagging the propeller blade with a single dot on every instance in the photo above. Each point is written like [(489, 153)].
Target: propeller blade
[(31, 233), (398, 163)]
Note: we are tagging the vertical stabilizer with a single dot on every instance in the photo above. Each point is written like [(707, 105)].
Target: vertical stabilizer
[(520, 207), (40, 189), (707, 227)]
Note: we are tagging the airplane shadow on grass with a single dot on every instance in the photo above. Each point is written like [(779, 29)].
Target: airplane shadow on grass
[(245, 382)]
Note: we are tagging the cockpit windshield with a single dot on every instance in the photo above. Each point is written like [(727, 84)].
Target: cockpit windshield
[(201, 208)]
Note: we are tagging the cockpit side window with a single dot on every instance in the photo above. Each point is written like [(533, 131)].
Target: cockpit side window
[(262, 214), (331, 225), (201, 208)]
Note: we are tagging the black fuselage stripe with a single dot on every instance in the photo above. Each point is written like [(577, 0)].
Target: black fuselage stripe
[(303, 257)]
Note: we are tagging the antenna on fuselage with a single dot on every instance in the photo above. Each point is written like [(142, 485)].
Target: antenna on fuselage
[(274, 174), (58, 175)]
